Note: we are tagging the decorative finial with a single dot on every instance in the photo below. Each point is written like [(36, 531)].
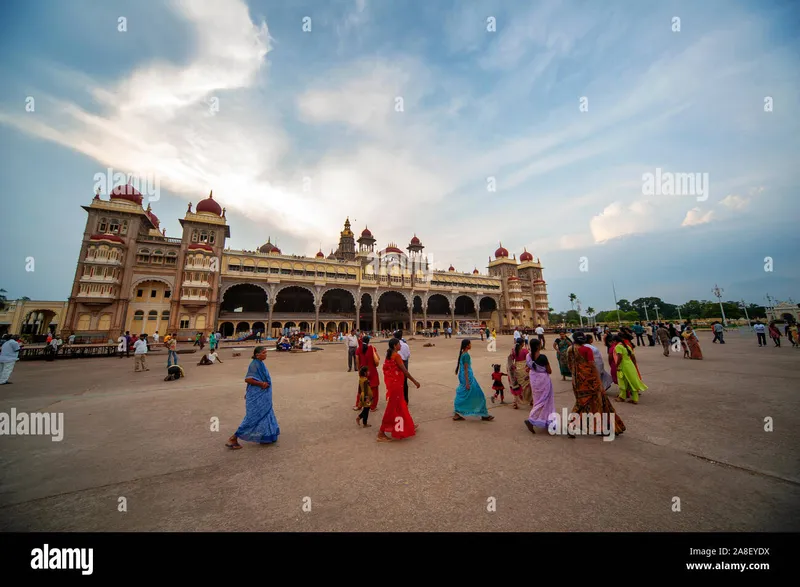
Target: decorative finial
[(149, 207), (211, 195), (190, 208), (223, 212), (163, 232)]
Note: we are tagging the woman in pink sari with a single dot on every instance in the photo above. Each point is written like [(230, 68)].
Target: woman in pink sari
[(544, 406)]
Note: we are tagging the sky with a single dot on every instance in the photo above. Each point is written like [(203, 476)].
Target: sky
[(467, 123)]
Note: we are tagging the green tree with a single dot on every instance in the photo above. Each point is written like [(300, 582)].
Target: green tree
[(572, 298), (572, 317), (624, 306)]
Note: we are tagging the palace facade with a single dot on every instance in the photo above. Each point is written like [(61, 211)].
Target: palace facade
[(131, 276)]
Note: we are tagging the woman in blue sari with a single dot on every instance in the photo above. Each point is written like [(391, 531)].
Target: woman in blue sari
[(470, 400), (259, 424)]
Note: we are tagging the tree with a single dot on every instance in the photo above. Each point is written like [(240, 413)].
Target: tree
[(572, 317), (572, 298), (624, 306), (589, 311)]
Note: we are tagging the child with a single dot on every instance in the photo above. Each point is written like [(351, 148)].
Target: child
[(364, 396), (497, 384)]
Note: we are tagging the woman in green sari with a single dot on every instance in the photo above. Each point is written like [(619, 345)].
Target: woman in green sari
[(630, 384), (561, 346)]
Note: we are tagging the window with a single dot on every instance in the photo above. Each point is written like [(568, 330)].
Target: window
[(211, 237), (124, 229), (171, 258), (153, 293), (274, 270), (251, 269), (167, 294), (320, 274), (234, 267), (143, 256), (184, 321), (203, 236), (152, 315), (194, 236), (139, 315), (165, 315), (139, 293), (263, 270), (102, 226), (114, 226), (158, 257), (286, 271)]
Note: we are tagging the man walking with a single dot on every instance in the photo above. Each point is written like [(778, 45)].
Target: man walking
[(540, 334), (351, 342), (172, 352), (140, 354), (718, 332), (9, 355), (761, 332), (405, 354), (663, 337), (637, 328)]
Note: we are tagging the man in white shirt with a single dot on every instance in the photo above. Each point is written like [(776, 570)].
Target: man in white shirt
[(71, 339), (351, 343), (9, 355), (761, 332), (516, 335), (540, 334), (140, 354), (155, 338), (405, 354)]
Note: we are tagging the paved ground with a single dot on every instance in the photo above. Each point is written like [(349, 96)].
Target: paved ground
[(698, 435)]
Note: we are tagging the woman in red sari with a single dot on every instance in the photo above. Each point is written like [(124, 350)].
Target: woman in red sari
[(396, 418), (367, 356)]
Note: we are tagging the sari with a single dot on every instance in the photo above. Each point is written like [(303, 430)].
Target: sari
[(516, 385), (468, 402), (601, 368), (544, 405), (590, 398), (521, 374), (259, 424), (630, 382), (396, 418), (694, 345), (563, 345), (367, 358)]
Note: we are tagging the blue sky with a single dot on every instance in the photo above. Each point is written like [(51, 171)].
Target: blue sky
[(476, 104)]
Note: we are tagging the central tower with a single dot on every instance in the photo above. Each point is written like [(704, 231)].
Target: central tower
[(347, 244)]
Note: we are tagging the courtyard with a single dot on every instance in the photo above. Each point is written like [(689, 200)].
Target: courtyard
[(697, 435)]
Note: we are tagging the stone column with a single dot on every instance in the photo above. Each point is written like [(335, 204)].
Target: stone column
[(358, 318), (411, 319), (269, 326), (316, 317), (375, 318)]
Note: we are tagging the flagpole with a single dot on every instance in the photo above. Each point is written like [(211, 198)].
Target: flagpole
[(619, 321)]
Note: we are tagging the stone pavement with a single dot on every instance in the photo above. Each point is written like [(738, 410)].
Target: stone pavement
[(697, 434)]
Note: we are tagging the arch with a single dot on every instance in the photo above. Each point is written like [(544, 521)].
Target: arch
[(294, 298), (304, 326), (487, 304), (392, 302), (446, 324), (248, 296), (335, 300), (259, 327), (366, 305), (464, 306), (330, 327), (417, 306), (420, 325), (334, 287), (242, 327), (228, 286), (165, 280), (226, 329), (276, 324), (438, 304), (436, 324), (344, 326)]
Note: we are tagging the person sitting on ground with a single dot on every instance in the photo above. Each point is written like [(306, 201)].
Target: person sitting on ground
[(210, 359), (174, 372)]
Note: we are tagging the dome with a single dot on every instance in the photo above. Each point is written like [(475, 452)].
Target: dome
[(106, 237), (393, 249), (476, 272), (501, 252), (366, 233), (526, 256), (209, 205), (267, 247), (451, 268), (200, 247), (127, 192), (153, 218), (415, 240), (320, 254)]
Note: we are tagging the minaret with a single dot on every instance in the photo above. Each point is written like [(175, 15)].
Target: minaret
[(347, 243)]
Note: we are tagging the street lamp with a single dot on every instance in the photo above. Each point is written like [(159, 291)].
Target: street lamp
[(655, 307), (579, 312), (644, 305), (679, 314), (744, 307), (718, 292)]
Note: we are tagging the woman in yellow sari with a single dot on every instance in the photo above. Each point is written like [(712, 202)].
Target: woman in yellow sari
[(628, 380)]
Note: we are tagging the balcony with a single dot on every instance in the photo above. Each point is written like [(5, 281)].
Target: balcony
[(203, 284), (99, 279), (194, 300), (158, 239), (193, 267), (103, 261)]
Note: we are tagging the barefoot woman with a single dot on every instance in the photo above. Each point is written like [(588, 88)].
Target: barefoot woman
[(470, 400), (259, 424), (396, 418)]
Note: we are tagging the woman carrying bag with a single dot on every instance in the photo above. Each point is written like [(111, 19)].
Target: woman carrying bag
[(367, 356)]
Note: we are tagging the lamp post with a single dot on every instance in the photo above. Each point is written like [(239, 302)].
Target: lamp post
[(579, 312), (744, 307), (718, 292), (655, 307), (644, 305), (679, 314)]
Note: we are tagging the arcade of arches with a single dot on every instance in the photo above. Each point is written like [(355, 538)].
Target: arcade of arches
[(245, 308)]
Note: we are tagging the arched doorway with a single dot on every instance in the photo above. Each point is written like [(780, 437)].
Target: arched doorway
[(304, 327), (294, 299), (438, 304), (242, 327), (392, 310), (38, 322), (259, 327), (244, 297), (337, 301), (226, 329), (365, 316)]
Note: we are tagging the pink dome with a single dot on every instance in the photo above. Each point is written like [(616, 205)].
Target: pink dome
[(209, 205)]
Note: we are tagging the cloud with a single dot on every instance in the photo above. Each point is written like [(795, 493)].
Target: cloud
[(695, 217), (735, 202), (618, 219)]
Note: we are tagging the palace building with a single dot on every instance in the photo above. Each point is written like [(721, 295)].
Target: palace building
[(131, 276)]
